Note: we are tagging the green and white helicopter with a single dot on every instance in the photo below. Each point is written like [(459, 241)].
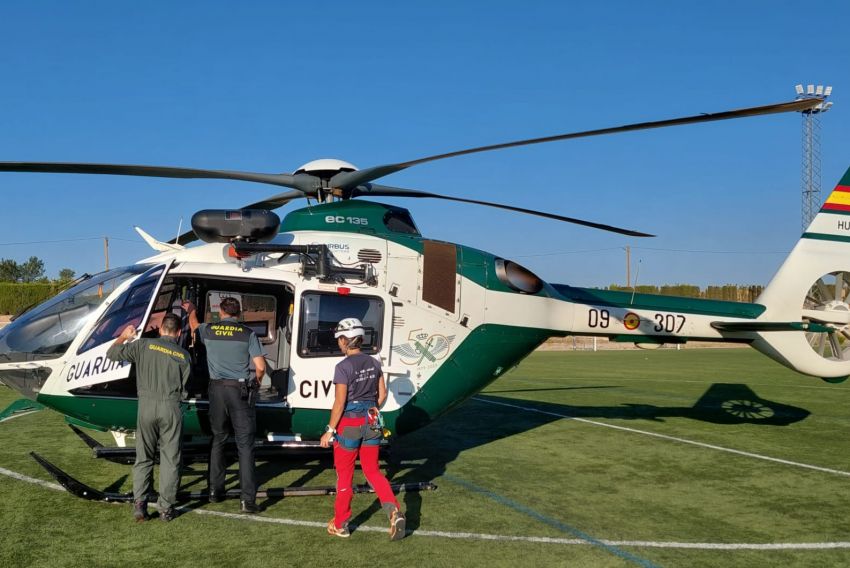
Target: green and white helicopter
[(445, 319)]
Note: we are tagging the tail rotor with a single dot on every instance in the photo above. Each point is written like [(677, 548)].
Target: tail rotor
[(826, 301)]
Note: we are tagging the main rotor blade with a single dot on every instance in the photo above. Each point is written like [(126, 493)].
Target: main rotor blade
[(302, 182), (350, 180), (387, 191), (270, 203), (276, 201)]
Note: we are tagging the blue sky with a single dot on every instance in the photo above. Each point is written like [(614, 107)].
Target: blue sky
[(268, 86)]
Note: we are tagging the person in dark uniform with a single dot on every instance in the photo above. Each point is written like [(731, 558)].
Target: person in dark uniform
[(162, 371), (359, 391), (231, 347)]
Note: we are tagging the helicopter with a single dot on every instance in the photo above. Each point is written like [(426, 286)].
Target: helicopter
[(444, 319)]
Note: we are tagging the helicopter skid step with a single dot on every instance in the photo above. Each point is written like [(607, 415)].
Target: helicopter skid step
[(83, 491), (263, 449)]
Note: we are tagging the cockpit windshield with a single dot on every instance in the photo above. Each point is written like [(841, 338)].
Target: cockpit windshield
[(46, 331)]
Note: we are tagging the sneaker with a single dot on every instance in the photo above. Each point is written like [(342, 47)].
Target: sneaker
[(249, 507), (168, 514), (140, 511), (397, 523), (341, 532), (216, 496)]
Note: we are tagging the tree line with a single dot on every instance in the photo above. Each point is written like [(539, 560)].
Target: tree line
[(24, 284), (29, 271), (727, 292)]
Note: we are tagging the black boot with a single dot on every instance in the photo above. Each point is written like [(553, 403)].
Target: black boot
[(140, 511), (249, 507)]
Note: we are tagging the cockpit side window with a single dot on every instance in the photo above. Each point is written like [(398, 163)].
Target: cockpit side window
[(320, 314), (128, 309), (46, 331)]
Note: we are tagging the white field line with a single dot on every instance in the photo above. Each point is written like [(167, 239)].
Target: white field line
[(670, 438), (28, 479), (492, 537)]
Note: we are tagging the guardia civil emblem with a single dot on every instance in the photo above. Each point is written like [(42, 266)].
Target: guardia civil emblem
[(422, 346)]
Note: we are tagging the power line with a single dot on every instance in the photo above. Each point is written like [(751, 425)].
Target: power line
[(715, 251), (556, 253), (565, 252), (69, 241)]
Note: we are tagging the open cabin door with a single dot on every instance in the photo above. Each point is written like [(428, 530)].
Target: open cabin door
[(316, 353), (90, 371)]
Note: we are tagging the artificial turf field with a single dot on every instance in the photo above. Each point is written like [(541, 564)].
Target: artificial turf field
[(520, 483)]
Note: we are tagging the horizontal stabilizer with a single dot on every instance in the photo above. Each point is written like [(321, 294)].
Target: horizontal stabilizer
[(771, 326), (158, 245), (19, 408)]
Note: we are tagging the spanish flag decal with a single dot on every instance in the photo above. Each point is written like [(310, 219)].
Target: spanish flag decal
[(838, 200)]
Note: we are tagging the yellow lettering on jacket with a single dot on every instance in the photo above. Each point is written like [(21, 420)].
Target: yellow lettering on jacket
[(167, 351), (225, 330)]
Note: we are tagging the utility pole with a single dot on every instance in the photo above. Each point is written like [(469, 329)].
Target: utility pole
[(106, 251)]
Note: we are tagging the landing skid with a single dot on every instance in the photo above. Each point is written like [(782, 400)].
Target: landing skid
[(83, 491), (200, 452)]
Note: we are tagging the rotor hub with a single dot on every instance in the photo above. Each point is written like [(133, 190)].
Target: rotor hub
[(326, 168), (836, 306), (322, 171)]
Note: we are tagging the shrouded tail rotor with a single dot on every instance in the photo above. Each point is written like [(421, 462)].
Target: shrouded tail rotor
[(825, 302)]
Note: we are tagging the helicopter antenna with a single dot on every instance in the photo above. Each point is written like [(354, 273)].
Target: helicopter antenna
[(179, 228), (634, 288)]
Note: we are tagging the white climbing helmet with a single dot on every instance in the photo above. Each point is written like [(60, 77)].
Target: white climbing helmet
[(350, 328)]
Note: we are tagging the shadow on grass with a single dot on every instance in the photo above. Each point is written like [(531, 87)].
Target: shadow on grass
[(552, 389), (722, 403), (425, 454), (117, 484)]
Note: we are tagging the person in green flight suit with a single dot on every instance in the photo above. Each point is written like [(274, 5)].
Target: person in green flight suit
[(162, 371)]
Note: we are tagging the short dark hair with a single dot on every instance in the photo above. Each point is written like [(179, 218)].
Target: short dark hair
[(230, 306), (171, 324)]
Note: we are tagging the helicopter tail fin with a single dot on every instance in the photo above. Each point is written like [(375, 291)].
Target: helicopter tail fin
[(813, 284)]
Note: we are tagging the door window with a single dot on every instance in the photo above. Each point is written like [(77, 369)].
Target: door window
[(128, 309), (320, 314)]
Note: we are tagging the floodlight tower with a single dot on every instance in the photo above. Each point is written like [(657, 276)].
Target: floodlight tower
[(811, 176)]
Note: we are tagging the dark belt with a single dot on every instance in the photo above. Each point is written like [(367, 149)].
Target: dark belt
[(228, 382)]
